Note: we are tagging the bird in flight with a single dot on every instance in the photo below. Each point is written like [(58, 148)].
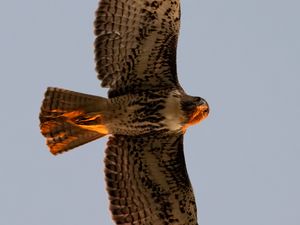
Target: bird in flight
[(146, 114)]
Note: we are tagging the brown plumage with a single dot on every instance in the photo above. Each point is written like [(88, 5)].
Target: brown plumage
[(146, 114), (135, 46)]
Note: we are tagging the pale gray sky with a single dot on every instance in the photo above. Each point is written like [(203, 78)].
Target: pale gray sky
[(243, 161)]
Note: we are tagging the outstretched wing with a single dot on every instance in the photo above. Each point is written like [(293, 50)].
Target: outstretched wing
[(147, 180), (135, 46)]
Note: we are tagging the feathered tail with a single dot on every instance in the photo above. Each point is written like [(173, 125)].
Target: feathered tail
[(69, 119)]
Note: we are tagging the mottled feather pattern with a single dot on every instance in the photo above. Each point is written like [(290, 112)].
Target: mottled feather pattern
[(147, 180), (135, 46), (138, 114), (146, 114)]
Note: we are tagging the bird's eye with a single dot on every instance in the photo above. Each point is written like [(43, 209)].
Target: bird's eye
[(206, 111)]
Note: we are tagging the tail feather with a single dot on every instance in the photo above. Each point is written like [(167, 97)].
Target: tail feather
[(69, 119)]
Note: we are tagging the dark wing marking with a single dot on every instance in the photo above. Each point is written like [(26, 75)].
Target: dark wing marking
[(135, 46), (147, 181)]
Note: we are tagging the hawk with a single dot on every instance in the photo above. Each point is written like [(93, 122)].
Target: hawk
[(145, 115)]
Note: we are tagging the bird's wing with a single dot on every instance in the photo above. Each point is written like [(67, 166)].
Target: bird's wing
[(147, 180), (135, 45)]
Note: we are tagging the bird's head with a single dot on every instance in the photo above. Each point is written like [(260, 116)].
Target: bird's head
[(195, 109)]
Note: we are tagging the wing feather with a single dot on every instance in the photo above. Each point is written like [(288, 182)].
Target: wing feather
[(135, 45), (147, 181)]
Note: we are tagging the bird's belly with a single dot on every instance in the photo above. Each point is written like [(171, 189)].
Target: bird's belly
[(135, 119), (137, 126), (135, 115)]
